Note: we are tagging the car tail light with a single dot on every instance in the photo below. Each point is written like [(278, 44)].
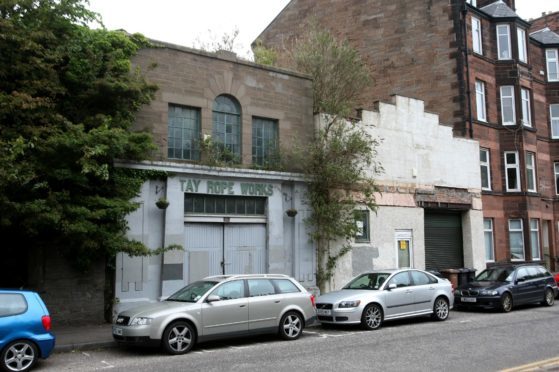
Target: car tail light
[(313, 300), (46, 322)]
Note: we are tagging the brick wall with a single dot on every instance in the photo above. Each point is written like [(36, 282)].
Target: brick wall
[(73, 297), (409, 46), (195, 78)]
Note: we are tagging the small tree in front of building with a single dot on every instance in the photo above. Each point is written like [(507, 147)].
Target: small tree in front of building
[(340, 161)]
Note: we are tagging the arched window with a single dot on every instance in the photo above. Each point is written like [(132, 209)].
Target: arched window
[(227, 127)]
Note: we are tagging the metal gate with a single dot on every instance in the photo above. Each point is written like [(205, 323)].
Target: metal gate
[(214, 249), (443, 241)]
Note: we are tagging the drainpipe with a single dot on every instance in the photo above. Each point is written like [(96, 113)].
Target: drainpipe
[(467, 66), (164, 223)]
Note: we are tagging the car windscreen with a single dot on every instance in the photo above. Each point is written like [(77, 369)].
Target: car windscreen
[(496, 274), (368, 281), (192, 292)]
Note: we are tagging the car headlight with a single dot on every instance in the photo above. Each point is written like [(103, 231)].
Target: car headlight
[(489, 293), (346, 304), (141, 321)]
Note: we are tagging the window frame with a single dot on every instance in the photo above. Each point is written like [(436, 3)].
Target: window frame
[(508, 44), (554, 118), (525, 100), (556, 173), (515, 166), (481, 103), (555, 61), (486, 164), (223, 119), (522, 46), (268, 125), (477, 36), (535, 232), (510, 97), (366, 236), (530, 160), (491, 249), (196, 132), (516, 231)]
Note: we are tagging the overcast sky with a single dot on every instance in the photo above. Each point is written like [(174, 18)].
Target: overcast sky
[(191, 22)]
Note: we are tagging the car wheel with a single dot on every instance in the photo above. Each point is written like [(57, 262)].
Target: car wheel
[(291, 326), (19, 355), (440, 309), (506, 303), (549, 298), (371, 317), (178, 338)]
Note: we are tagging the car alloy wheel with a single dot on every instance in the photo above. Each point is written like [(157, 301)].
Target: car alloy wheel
[(178, 338), (506, 303), (291, 326), (371, 317), (19, 356), (549, 297), (440, 309)]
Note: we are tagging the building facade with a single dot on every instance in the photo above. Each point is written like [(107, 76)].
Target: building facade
[(219, 124), (491, 76), (429, 205)]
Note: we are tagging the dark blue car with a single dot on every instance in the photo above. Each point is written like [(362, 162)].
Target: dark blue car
[(505, 286), (24, 330)]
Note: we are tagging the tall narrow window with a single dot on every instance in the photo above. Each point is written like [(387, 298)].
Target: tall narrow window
[(227, 128), (183, 133), (477, 43), (485, 166), (488, 235), (521, 38), (526, 112), (362, 222), (264, 142), (512, 173), (556, 172), (516, 240), (508, 114), (535, 239), (473, 2), (480, 101), (531, 172), (552, 65), (554, 120), (503, 42)]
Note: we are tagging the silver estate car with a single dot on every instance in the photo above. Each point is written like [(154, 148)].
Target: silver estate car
[(376, 296), (219, 307)]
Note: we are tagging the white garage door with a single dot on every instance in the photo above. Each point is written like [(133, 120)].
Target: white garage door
[(214, 249)]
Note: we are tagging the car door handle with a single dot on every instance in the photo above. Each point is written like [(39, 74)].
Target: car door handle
[(242, 305), (277, 301), (409, 291), (431, 288)]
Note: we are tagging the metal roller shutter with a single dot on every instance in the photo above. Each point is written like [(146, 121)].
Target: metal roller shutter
[(443, 241)]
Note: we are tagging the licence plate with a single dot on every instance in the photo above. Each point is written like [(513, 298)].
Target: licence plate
[(117, 331), (324, 312), (469, 299)]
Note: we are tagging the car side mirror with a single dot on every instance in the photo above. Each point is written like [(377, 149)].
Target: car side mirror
[(520, 280), (213, 298), (392, 286)]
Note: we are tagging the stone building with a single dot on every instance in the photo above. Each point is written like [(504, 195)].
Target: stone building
[(219, 124), (489, 74)]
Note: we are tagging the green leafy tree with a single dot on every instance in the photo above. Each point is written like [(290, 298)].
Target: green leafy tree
[(340, 161), (68, 97)]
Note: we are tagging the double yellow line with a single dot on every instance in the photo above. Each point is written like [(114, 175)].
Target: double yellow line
[(542, 365)]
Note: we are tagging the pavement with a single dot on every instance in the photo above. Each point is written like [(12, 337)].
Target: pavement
[(82, 337)]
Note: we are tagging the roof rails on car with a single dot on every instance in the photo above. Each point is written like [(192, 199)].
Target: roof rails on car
[(240, 276)]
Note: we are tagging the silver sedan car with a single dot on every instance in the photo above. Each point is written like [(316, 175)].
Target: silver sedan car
[(373, 297), (219, 307)]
